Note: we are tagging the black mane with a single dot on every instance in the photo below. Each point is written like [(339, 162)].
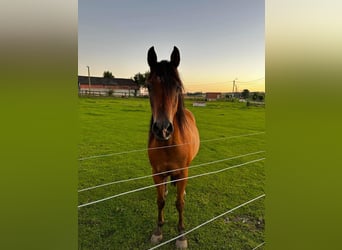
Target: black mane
[(171, 81)]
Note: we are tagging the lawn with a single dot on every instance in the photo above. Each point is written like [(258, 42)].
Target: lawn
[(116, 130)]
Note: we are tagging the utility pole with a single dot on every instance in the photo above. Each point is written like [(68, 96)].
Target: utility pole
[(234, 87), (89, 78)]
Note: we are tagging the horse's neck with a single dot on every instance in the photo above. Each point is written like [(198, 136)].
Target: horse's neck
[(180, 127)]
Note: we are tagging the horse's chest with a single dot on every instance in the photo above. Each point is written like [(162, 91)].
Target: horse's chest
[(168, 158)]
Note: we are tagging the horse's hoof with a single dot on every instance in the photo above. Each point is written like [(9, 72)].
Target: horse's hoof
[(155, 239), (182, 244)]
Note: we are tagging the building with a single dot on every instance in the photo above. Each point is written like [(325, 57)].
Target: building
[(212, 96), (101, 86)]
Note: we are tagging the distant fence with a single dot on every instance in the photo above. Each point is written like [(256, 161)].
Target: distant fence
[(258, 104), (199, 104), (128, 93)]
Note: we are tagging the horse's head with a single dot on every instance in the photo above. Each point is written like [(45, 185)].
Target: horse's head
[(165, 91)]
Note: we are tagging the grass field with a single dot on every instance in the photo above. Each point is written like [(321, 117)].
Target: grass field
[(111, 126)]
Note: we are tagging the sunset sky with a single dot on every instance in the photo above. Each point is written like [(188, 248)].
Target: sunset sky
[(219, 40)]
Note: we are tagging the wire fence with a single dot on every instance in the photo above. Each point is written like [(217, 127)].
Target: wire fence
[(163, 147), (172, 181), (208, 221), (167, 182), (261, 244), (166, 172)]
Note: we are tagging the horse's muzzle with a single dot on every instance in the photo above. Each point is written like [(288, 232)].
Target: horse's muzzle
[(162, 130)]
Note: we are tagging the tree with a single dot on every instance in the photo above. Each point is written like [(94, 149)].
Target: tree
[(245, 94), (261, 98), (255, 96), (140, 79), (108, 74)]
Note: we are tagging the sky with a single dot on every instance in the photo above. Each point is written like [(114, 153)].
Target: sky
[(219, 40)]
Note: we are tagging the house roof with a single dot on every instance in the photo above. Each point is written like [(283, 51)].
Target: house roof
[(107, 81), (212, 94)]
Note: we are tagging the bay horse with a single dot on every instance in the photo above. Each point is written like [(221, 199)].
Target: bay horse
[(173, 136)]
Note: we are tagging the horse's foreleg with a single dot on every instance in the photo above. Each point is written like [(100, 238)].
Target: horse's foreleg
[(181, 242), (166, 190), (157, 235)]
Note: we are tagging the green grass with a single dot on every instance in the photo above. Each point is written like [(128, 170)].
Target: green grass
[(118, 125)]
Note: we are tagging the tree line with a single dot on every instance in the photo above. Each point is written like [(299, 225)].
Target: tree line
[(138, 78)]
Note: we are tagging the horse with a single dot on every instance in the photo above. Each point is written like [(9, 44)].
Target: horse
[(173, 140)]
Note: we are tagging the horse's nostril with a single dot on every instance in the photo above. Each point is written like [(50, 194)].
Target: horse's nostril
[(163, 129), (170, 128), (155, 128)]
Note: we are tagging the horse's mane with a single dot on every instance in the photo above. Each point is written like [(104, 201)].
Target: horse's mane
[(170, 79)]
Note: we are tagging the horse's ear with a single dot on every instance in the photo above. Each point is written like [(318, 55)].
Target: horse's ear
[(151, 57), (175, 57)]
